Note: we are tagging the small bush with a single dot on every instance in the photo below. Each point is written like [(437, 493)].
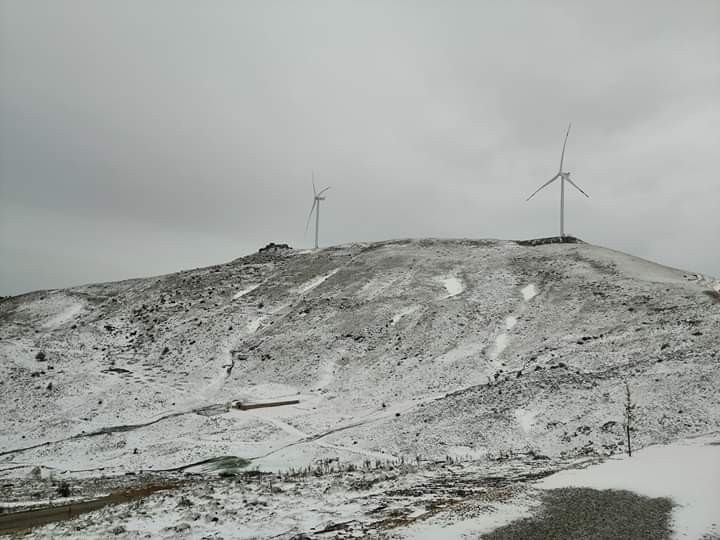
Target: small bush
[(63, 489)]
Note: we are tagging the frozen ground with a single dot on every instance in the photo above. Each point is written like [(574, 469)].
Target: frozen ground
[(430, 500), (396, 351), (453, 500)]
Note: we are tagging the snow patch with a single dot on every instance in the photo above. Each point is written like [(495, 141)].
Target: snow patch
[(66, 315), (501, 343), (497, 515), (637, 268), (326, 372), (403, 313), (269, 416), (525, 418), (253, 325), (34, 503), (467, 452), (385, 285), (688, 472), (462, 351), (510, 322), (242, 293), (529, 292), (317, 281), (453, 285)]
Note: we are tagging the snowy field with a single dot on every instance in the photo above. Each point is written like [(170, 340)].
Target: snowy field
[(687, 472), (475, 353)]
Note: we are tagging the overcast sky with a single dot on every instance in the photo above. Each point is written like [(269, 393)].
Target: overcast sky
[(139, 138)]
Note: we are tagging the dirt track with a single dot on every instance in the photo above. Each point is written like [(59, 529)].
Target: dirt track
[(27, 519)]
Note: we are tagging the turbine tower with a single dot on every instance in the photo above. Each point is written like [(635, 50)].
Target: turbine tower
[(563, 176), (316, 208)]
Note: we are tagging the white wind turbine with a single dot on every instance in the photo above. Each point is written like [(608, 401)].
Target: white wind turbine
[(563, 176), (316, 208)]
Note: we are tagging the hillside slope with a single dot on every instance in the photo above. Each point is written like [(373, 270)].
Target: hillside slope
[(403, 348)]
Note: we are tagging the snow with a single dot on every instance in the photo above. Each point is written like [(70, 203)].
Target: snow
[(316, 282), (58, 308), (248, 290), (252, 326), (404, 313), (529, 292), (385, 285), (291, 507), (378, 341), (453, 285), (491, 518), (467, 452), (271, 416), (467, 349), (327, 372), (503, 339), (638, 268), (57, 501), (688, 472), (525, 418), (501, 343)]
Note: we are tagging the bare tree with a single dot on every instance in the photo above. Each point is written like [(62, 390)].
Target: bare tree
[(629, 417)]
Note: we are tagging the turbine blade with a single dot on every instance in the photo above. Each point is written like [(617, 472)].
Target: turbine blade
[(577, 187), (323, 191), (562, 156), (313, 183), (310, 214), (544, 186)]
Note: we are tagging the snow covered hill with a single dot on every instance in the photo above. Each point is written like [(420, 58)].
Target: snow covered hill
[(395, 350)]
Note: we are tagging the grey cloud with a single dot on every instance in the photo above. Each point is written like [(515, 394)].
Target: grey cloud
[(149, 137)]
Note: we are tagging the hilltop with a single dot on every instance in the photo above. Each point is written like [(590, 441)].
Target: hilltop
[(427, 347)]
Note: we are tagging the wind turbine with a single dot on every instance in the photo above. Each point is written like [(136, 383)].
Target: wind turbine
[(316, 208), (563, 176)]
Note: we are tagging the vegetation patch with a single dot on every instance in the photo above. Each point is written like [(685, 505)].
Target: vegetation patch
[(550, 240), (226, 465), (592, 515)]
